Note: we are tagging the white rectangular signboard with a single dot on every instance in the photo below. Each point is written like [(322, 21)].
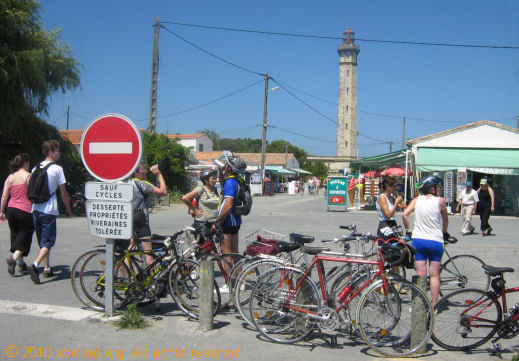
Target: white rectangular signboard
[(109, 219), (109, 191)]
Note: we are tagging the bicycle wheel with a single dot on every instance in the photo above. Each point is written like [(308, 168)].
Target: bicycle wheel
[(463, 271), (273, 304), (245, 284), (184, 286), (75, 280), (466, 319), (92, 280), (355, 277), (235, 273), (222, 268), (393, 323)]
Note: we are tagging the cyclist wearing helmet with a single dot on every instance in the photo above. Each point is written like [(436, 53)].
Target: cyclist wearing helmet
[(430, 230), (229, 222), (206, 196)]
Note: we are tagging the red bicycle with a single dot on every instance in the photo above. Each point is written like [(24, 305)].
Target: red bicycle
[(286, 305)]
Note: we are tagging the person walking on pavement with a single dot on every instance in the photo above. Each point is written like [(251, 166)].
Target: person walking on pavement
[(468, 203), (18, 213), (230, 223), (486, 206), (44, 214), (430, 231)]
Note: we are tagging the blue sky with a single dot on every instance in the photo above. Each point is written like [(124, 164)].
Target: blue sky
[(436, 88)]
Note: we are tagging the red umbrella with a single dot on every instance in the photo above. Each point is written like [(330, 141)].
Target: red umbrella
[(395, 170), (371, 174)]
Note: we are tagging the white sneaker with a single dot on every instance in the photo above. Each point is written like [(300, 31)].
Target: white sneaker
[(242, 287), (224, 289)]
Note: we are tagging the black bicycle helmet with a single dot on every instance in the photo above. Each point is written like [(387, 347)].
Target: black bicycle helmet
[(206, 174), (429, 182)]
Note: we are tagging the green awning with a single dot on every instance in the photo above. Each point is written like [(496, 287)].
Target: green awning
[(437, 159), (380, 160), (302, 171), (276, 169)]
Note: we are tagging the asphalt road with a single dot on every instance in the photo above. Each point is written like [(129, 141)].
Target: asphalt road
[(28, 318)]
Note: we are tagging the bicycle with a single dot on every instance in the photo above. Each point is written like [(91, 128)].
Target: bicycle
[(203, 244), (134, 284), (467, 318), (286, 305)]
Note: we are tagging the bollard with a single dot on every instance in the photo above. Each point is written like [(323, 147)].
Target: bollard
[(205, 318), (418, 316)]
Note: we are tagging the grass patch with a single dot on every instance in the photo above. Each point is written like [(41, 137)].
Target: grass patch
[(175, 196), (131, 318)]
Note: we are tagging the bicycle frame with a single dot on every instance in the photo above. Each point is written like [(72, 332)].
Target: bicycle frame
[(317, 262), (501, 296)]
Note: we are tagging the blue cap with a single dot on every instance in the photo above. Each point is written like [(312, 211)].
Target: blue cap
[(468, 184)]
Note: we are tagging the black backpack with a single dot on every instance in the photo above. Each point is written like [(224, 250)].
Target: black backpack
[(243, 202), (38, 190)]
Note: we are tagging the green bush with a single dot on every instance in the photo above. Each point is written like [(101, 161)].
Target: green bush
[(516, 357), (131, 318)]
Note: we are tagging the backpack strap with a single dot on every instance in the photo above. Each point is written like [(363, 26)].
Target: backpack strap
[(45, 169)]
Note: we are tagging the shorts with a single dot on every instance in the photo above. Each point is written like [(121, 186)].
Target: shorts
[(230, 229), (45, 228), (427, 250), (141, 230)]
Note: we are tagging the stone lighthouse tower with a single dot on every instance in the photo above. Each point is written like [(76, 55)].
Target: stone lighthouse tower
[(347, 102)]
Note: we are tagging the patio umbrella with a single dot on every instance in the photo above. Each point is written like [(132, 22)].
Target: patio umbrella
[(395, 170), (371, 174)]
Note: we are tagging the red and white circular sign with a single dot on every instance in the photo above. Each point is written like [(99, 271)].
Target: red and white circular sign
[(111, 147)]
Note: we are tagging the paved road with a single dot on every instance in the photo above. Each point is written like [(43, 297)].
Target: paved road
[(27, 320)]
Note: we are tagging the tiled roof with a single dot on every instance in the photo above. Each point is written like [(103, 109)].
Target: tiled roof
[(73, 135), (184, 136), (249, 158)]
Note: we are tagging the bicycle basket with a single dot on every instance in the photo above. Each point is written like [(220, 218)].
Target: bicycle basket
[(263, 242)]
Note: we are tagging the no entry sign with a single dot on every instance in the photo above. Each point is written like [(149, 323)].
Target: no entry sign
[(111, 147)]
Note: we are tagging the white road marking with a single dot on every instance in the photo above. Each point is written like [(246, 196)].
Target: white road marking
[(49, 311), (110, 148)]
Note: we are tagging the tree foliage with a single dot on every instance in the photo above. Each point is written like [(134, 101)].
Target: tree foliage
[(34, 64), (171, 157), (280, 146)]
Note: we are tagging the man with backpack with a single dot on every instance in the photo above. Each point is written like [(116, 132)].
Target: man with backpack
[(45, 180), (235, 202)]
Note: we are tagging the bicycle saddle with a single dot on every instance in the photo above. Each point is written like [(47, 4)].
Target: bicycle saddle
[(494, 271), (314, 250), (287, 246), (301, 238)]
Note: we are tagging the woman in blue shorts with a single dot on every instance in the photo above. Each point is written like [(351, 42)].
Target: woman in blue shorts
[(430, 230)]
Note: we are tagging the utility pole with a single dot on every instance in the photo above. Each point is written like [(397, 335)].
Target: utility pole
[(68, 114), (264, 137), (403, 135), (154, 79), (286, 155), (390, 147), (517, 121)]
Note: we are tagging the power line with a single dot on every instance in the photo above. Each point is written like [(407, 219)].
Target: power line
[(211, 101), (302, 101), (300, 135), (211, 54), (402, 42)]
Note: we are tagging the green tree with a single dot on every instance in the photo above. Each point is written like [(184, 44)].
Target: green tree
[(317, 168), (171, 157), (280, 146), (34, 64)]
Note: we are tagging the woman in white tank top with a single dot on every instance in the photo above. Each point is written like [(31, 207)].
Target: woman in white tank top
[(430, 230)]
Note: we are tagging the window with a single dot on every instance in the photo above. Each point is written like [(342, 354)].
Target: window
[(347, 107), (346, 143), (200, 147), (347, 90), (346, 126)]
